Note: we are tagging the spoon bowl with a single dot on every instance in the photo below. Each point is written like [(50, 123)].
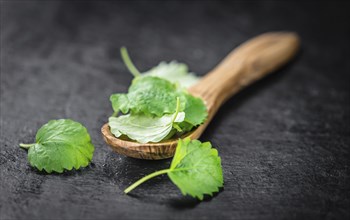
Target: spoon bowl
[(246, 64)]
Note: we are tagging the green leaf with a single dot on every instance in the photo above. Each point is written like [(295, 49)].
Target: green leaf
[(195, 110), (144, 129), (147, 95), (120, 102), (174, 72), (184, 126), (195, 169), (155, 96), (60, 145)]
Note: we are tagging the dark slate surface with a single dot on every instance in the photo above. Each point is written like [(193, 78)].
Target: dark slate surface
[(284, 142)]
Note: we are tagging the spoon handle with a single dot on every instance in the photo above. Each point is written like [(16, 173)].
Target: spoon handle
[(244, 65)]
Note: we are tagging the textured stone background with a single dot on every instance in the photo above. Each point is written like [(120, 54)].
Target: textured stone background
[(284, 141)]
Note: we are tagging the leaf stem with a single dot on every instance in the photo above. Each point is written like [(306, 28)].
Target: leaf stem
[(177, 109), (144, 179), (26, 146), (114, 114), (128, 63)]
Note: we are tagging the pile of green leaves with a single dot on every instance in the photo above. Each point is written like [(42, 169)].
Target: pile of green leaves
[(157, 105), (195, 169)]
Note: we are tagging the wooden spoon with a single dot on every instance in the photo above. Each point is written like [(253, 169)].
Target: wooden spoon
[(244, 65)]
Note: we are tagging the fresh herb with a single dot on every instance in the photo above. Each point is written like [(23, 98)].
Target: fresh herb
[(144, 128), (195, 169), (195, 110), (148, 95), (152, 100), (60, 145), (173, 71), (150, 105)]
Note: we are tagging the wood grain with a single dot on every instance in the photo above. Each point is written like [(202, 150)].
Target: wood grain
[(243, 66)]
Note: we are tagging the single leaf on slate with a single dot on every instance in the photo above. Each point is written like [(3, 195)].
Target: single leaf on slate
[(60, 145), (195, 169)]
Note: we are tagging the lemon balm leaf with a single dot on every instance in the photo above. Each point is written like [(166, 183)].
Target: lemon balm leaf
[(144, 129), (195, 110), (120, 102), (60, 145), (153, 96), (174, 72), (147, 95), (195, 169)]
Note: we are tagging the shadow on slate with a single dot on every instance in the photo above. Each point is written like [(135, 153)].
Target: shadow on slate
[(124, 171), (66, 173)]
